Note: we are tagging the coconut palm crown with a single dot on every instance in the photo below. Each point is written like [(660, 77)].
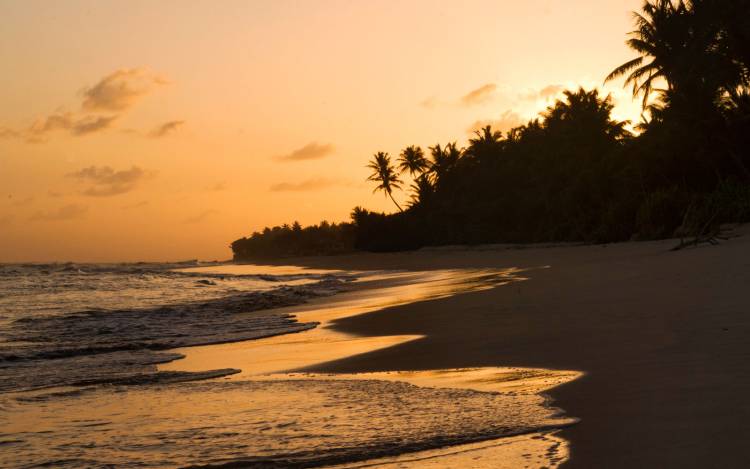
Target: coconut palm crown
[(385, 175)]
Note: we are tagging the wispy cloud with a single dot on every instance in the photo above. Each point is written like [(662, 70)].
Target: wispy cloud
[(508, 120), (201, 216), (311, 151), (546, 93), (165, 129), (6, 220), (101, 105), (218, 187), (119, 90), (108, 182), (67, 212), (480, 95), (430, 103), (6, 132), (551, 91), (313, 184), (90, 124), (23, 202), (77, 126), (142, 203)]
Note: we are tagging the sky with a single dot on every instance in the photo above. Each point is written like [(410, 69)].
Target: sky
[(152, 131)]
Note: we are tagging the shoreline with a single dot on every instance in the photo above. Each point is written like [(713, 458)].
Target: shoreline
[(657, 339), (286, 357), (660, 335)]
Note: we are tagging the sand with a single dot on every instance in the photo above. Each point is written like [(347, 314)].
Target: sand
[(662, 337)]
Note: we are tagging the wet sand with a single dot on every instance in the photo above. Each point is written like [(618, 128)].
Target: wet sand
[(517, 391), (661, 336)]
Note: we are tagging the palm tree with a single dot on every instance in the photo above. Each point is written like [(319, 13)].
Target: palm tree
[(422, 190), (444, 159), (698, 47), (590, 113), (660, 39), (486, 136), (412, 160), (486, 143), (384, 173)]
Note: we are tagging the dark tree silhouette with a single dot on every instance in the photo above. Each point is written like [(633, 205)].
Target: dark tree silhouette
[(385, 175), (412, 160), (575, 173), (660, 38)]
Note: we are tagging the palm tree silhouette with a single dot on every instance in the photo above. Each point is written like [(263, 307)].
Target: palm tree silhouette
[(384, 173), (422, 190), (486, 143), (486, 136), (591, 112), (412, 160), (660, 37), (443, 159)]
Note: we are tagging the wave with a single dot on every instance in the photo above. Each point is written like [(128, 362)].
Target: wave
[(280, 423), (110, 345)]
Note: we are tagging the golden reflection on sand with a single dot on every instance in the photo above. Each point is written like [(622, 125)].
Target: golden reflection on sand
[(278, 357), (294, 351), (536, 450)]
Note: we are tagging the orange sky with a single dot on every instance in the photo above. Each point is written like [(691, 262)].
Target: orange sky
[(140, 130)]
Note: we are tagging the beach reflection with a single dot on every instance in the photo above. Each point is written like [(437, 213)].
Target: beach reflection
[(295, 351)]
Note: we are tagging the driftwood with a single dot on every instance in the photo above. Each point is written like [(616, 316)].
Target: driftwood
[(709, 233)]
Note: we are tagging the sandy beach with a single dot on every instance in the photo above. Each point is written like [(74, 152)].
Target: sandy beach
[(660, 336), (626, 355)]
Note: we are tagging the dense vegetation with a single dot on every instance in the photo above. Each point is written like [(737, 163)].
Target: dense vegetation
[(289, 241), (575, 174)]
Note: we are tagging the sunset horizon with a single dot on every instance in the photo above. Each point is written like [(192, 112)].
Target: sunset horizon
[(118, 141)]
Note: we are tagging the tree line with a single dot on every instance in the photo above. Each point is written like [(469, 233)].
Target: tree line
[(576, 174)]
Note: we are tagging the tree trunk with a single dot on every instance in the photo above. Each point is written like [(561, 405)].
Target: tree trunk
[(394, 201)]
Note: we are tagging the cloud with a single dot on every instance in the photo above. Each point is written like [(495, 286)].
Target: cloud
[(57, 121), (311, 151), (108, 182), (508, 120), (201, 216), (6, 132), (484, 94), (165, 129), (551, 91), (430, 103), (77, 126), (101, 105), (218, 187), (67, 212), (119, 90), (544, 94), (90, 124), (480, 95), (140, 204), (23, 202), (308, 185)]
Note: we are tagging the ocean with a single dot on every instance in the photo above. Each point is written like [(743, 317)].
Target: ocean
[(77, 324)]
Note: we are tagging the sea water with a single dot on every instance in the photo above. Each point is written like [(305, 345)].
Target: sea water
[(77, 324)]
